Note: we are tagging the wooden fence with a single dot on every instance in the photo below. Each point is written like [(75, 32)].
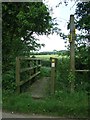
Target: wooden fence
[(26, 70)]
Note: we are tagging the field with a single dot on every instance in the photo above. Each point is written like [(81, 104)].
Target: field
[(47, 57)]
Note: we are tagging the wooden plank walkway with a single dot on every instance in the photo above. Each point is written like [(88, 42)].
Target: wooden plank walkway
[(40, 88)]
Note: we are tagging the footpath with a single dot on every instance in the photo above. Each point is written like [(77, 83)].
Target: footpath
[(40, 88)]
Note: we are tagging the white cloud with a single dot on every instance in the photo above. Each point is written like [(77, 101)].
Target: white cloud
[(52, 42)]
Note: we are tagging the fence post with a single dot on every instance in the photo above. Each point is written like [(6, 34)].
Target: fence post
[(35, 64), (39, 63), (18, 74), (53, 74)]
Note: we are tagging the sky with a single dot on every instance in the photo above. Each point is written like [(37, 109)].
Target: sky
[(62, 13)]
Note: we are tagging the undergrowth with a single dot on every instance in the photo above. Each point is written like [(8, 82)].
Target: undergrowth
[(45, 71)]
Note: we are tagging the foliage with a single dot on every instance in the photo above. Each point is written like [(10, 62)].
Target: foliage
[(20, 20), (83, 24), (81, 81), (62, 82), (63, 52), (71, 77), (83, 17), (8, 77), (82, 41), (81, 58), (8, 82), (64, 77), (46, 63), (45, 71)]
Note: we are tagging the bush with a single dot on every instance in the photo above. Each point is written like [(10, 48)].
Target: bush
[(62, 74), (64, 77), (46, 63), (45, 71), (8, 81), (81, 81)]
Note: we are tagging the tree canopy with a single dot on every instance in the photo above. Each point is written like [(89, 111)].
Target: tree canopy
[(21, 20), (83, 15)]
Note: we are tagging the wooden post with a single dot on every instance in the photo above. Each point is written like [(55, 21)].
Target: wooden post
[(53, 70), (72, 51), (18, 74), (35, 63), (39, 63)]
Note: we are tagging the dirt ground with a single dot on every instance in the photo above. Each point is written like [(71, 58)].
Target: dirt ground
[(18, 115)]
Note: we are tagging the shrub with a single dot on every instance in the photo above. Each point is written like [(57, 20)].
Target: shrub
[(81, 81), (45, 71), (8, 81), (46, 63), (64, 77), (62, 74)]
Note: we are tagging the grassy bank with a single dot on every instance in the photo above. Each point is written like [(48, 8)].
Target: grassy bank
[(61, 104)]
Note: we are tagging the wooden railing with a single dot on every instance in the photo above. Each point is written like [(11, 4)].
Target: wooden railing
[(26, 70)]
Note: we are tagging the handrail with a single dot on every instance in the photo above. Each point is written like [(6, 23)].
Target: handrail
[(26, 69), (22, 82), (36, 70)]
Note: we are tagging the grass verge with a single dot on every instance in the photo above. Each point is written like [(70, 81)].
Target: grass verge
[(60, 104)]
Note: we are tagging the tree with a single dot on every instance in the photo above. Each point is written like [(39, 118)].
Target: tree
[(83, 24), (83, 40), (83, 16), (21, 21)]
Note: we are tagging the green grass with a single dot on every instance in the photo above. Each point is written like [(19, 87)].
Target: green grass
[(61, 104)]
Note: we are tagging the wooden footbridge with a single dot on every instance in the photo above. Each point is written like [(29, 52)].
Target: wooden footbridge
[(28, 77)]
